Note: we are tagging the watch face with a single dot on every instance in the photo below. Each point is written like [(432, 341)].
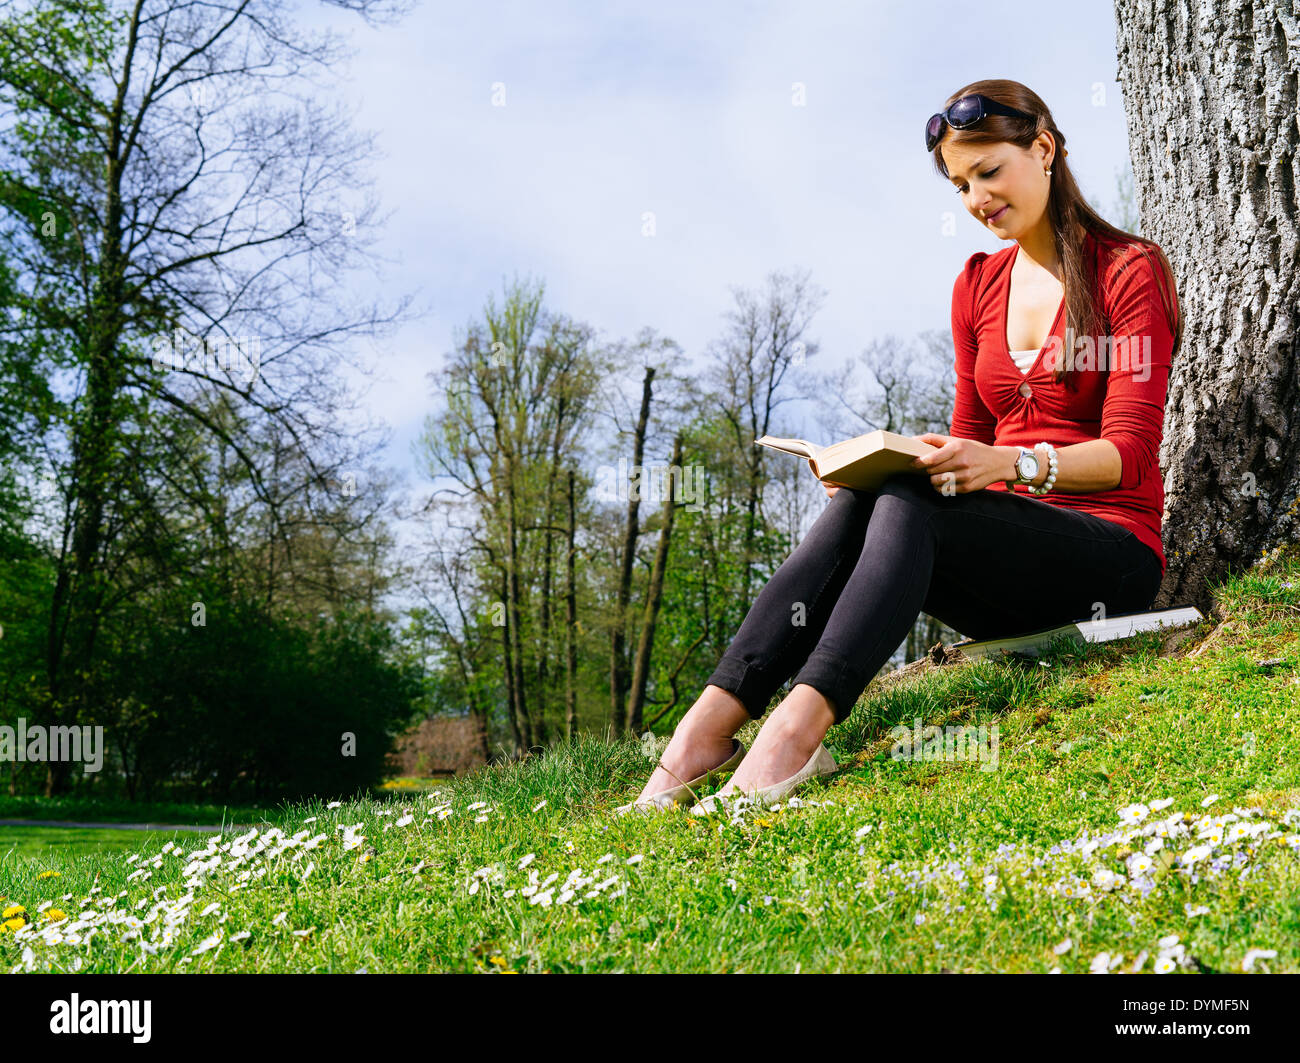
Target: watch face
[(1028, 466)]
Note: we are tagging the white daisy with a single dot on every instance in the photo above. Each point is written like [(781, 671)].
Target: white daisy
[(1140, 863), (1248, 961)]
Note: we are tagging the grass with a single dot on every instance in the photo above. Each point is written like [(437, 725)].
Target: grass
[(36, 843), (86, 808), (1071, 855), (411, 784)]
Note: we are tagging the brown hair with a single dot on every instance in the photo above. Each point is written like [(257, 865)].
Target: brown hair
[(1067, 211)]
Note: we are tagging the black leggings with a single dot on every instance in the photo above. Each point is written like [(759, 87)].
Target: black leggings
[(987, 563)]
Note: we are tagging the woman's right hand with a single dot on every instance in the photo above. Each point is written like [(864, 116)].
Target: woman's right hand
[(830, 491)]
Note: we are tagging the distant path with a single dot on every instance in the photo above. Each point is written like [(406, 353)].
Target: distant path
[(120, 826)]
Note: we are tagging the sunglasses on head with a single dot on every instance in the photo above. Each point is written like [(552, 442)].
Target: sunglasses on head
[(963, 114)]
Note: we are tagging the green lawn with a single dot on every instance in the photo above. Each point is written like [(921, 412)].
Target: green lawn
[(85, 808), (49, 846), (1144, 811)]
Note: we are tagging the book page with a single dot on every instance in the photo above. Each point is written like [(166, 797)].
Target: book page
[(800, 447)]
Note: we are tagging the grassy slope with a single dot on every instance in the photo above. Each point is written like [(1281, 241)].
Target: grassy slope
[(889, 866)]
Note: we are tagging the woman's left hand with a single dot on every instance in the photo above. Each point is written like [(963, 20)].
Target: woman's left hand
[(957, 466)]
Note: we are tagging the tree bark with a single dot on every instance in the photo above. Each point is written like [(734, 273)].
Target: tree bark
[(571, 628), (1210, 93)]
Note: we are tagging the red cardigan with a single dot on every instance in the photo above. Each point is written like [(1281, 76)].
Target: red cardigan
[(1125, 403)]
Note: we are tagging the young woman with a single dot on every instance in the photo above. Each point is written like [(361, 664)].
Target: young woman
[(1040, 507)]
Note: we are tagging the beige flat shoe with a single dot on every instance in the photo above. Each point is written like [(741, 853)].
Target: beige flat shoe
[(820, 763), (666, 799)]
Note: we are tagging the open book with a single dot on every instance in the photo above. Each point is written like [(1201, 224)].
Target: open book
[(862, 462), (1115, 627)]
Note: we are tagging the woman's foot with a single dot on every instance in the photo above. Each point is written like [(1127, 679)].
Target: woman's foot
[(701, 741), (786, 743)]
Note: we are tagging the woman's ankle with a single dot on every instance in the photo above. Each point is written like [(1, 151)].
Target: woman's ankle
[(701, 741), (802, 719), (717, 713)]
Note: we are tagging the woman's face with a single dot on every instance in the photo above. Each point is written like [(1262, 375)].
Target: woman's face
[(1003, 186)]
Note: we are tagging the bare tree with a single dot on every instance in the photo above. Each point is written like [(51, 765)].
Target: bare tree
[(896, 385), (908, 387), (767, 337)]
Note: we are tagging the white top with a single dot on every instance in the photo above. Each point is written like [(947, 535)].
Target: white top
[(1024, 359)]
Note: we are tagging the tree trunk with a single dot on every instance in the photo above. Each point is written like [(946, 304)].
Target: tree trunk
[(751, 527), (654, 595), (1210, 92), (508, 670), (73, 648), (548, 560), (571, 617), (513, 605), (618, 638)]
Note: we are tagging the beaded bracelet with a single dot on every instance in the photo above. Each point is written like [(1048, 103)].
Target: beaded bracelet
[(1051, 471)]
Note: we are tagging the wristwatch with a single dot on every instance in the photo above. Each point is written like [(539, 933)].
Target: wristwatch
[(1027, 467)]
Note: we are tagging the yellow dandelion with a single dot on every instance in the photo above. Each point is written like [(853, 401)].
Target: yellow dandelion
[(12, 910), (500, 961), (15, 924), (55, 914), (50, 874)]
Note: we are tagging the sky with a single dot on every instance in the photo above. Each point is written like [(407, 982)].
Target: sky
[(531, 139)]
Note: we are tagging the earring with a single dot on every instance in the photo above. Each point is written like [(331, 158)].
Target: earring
[(1047, 173)]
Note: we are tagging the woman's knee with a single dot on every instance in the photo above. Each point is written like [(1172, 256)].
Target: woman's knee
[(849, 511), (907, 485), (853, 498), (907, 497)]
